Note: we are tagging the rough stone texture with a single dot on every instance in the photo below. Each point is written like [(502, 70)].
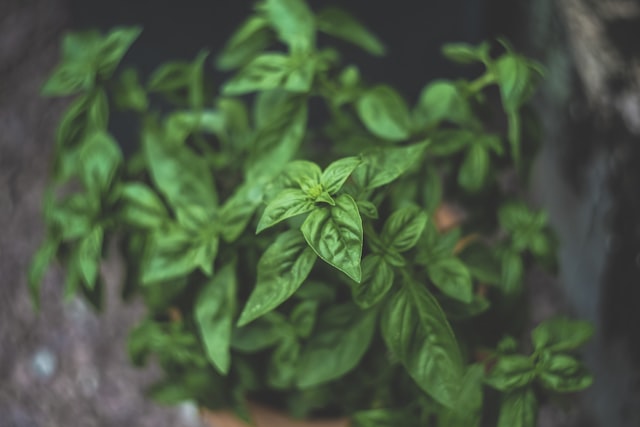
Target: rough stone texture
[(66, 366), (588, 177)]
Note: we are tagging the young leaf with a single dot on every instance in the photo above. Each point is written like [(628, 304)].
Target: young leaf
[(214, 310), (377, 279), (281, 270), (343, 336), (288, 203), (340, 24), (519, 409), (512, 272), (417, 332), (561, 334), (301, 173), (293, 21), (337, 173), (38, 267), (266, 71), (129, 93), (74, 217), (69, 78), (404, 227), (511, 372), (516, 77), (442, 100), (384, 165), (100, 157), (182, 176), (113, 47), (89, 256), (251, 38), (141, 206), (172, 252), (563, 373), (464, 53), (474, 169), (452, 277), (385, 113), (335, 234)]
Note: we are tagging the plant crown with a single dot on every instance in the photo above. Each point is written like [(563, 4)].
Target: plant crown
[(312, 260)]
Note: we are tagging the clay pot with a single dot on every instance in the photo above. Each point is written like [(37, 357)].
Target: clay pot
[(265, 417)]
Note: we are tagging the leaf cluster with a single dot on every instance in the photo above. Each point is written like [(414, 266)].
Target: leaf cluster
[(313, 264)]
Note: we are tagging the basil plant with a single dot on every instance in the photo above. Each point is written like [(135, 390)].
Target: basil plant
[(365, 260)]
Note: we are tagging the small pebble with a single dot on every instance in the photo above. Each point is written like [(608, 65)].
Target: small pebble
[(43, 364)]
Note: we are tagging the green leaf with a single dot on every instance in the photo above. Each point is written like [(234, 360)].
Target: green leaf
[(512, 272), (288, 203), (281, 371), (74, 217), (100, 157), (474, 169), (141, 206), (129, 93), (89, 256), (181, 175), (377, 279), (337, 173), (385, 113), (38, 267), (214, 310), (281, 270), (404, 227), (468, 410), (561, 334), (113, 47), (340, 24), (384, 165), (446, 142), (303, 317), (69, 78), (442, 100), (367, 209), (452, 277), (301, 173), (563, 373), (511, 372), (318, 291), (335, 234), (293, 22), (417, 332), (179, 78), (516, 76), (519, 409), (260, 334), (181, 124), (79, 46), (281, 121), (381, 418), (251, 38), (173, 252), (464, 53), (264, 72), (343, 336), (238, 210)]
